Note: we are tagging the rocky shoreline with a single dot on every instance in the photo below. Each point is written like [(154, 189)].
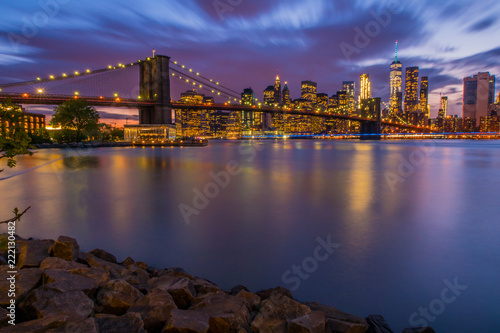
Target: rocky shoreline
[(59, 288)]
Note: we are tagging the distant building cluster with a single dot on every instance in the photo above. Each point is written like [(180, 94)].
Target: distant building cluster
[(408, 104)]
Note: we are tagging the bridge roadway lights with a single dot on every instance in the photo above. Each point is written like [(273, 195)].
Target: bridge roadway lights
[(370, 130)]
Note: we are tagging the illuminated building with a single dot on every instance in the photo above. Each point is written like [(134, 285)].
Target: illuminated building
[(333, 103), (424, 96), (29, 122), (322, 101), (269, 98), (365, 87), (233, 127), (411, 90), (396, 81), (479, 94), (308, 91), (277, 91), (370, 108), (247, 117), (192, 122), (488, 124), (443, 111), (287, 101), (218, 124), (349, 88), (344, 101)]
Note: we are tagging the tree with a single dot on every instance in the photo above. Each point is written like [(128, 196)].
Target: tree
[(14, 140), (77, 115)]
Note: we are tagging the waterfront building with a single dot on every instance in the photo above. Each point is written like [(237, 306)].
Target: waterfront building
[(27, 121), (489, 124), (396, 81), (333, 103), (478, 96), (269, 98), (192, 122), (411, 90)]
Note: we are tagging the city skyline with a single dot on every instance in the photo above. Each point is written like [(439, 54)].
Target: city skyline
[(243, 45)]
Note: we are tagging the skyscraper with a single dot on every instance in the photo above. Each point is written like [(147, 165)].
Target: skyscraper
[(479, 94), (443, 111), (277, 91), (424, 96), (247, 117), (349, 88), (308, 91), (365, 87), (411, 90), (269, 98), (396, 80), (286, 100)]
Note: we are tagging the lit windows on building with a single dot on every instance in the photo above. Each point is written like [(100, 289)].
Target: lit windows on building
[(479, 95), (424, 96), (308, 91), (411, 103), (365, 87)]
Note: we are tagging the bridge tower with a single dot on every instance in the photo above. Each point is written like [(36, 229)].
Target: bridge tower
[(155, 85), (371, 129)]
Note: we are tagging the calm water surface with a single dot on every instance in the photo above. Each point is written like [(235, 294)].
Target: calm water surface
[(403, 229)]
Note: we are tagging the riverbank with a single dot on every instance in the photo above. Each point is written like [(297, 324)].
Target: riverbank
[(60, 288), (86, 144)]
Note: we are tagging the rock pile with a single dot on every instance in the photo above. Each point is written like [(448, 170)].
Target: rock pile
[(62, 289)]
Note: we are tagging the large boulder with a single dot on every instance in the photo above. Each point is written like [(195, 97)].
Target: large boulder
[(86, 325), (101, 254), (266, 293), (135, 275), (4, 320), (26, 280), (129, 323), (313, 322), (66, 248), (276, 311), (181, 289), (186, 321), (252, 299), (114, 269), (58, 263), (154, 309), (44, 302), (377, 324), (49, 324), (227, 313), (32, 252), (116, 297), (339, 321), (203, 286), (65, 281), (100, 275)]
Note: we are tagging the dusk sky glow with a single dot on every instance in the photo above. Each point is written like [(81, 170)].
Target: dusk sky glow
[(244, 43)]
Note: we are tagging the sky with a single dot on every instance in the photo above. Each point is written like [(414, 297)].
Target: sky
[(246, 43)]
